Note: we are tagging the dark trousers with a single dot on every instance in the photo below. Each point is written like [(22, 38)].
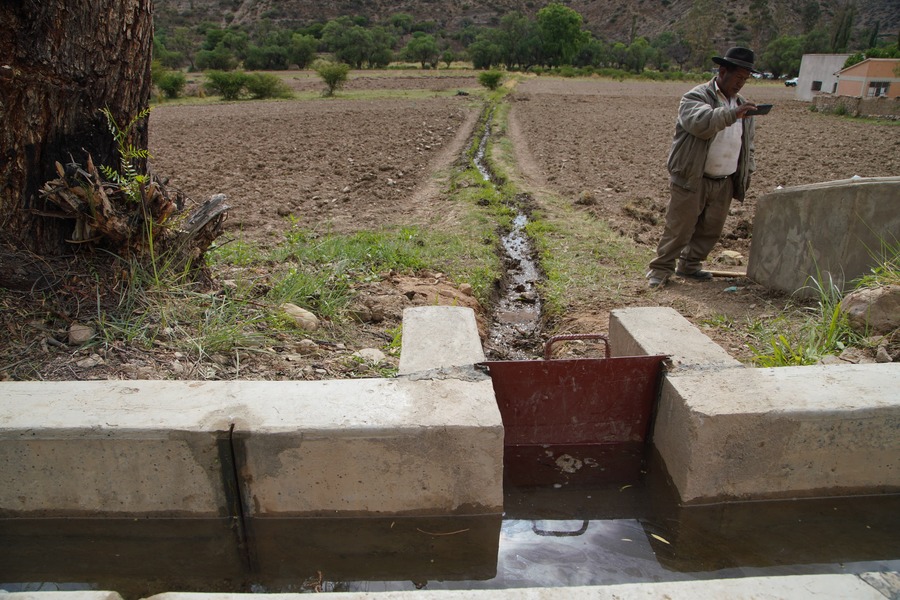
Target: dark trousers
[(694, 223)]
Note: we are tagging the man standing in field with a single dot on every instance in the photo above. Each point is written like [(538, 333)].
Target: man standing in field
[(709, 164)]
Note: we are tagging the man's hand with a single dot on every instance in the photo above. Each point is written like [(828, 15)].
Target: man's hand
[(743, 109)]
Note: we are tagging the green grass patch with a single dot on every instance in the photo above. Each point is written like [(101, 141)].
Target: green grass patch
[(580, 255), (823, 330)]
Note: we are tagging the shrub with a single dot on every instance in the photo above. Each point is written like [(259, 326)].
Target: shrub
[(266, 85), (171, 83), (490, 79), (333, 74), (220, 59), (229, 85)]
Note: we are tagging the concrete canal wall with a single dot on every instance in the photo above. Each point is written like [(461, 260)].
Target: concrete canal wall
[(835, 231), (429, 442), (727, 432)]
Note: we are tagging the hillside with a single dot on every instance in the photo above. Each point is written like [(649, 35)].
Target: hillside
[(612, 20)]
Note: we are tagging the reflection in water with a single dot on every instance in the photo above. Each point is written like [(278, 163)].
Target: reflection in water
[(549, 537)]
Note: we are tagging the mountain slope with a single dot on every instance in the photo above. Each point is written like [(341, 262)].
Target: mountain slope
[(613, 20)]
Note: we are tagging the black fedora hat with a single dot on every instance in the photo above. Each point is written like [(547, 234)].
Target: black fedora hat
[(738, 57)]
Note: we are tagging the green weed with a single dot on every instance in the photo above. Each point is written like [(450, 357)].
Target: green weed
[(825, 331), (887, 265)]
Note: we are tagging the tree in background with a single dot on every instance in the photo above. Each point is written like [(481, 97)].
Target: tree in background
[(423, 49), (485, 52), (553, 37), (447, 57), (165, 57), (783, 55), (302, 51), (519, 39), (333, 74), (267, 58), (872, 37), (810, 15), (673, 45), (356, 45), (561, 34), (220, 59), (816, 42), (593, 53), (402, 22), (703, 26), (348, 41), (381, 53), (842, 27), (637, 54), (762, 25), (185, 43), (222, 49)]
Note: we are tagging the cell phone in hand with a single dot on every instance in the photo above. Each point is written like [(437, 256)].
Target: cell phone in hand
[(761, 109)]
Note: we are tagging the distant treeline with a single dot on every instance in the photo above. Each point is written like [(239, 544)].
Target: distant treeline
[(555, 37)]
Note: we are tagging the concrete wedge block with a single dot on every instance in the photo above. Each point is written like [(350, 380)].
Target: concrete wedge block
[(781, 433)]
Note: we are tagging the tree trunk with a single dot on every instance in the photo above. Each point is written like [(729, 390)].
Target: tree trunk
[(61, 61)]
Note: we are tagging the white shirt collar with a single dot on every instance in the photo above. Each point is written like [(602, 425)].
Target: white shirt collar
[(732, 102)]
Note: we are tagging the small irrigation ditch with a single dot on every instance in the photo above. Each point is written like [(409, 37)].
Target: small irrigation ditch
[(516, 323)]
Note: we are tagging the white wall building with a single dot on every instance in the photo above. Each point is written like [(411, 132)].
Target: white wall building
[(818, 74)]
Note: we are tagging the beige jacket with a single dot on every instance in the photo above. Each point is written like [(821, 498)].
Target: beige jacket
[(701, 116)]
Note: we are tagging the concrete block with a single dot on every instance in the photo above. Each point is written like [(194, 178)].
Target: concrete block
[(887, 583), (388, 446), (436, 337), (820, 231), (645, 331), (165, 449), (112, 448), (779, 433)]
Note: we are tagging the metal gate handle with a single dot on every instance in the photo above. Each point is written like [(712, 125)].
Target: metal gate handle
[(575, 336), (548, 533)]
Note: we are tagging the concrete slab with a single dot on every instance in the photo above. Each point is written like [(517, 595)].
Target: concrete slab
[(645, 331), (158, 448), (797, 587), (392, 446), (113, 448), (436, 337), (785, 432), (826, 230), (886, 583)]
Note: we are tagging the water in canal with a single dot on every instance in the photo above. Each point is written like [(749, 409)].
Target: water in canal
[(549, 536)]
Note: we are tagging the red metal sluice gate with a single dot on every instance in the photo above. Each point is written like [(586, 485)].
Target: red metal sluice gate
[(583, 421)]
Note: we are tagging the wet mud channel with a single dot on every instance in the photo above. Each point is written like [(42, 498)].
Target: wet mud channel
[(516, 323)]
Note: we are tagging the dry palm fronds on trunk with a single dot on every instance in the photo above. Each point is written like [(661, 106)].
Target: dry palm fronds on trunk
[(132, 217)]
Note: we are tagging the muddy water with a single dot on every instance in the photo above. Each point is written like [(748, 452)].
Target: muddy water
[(551, 536), (516, 322)]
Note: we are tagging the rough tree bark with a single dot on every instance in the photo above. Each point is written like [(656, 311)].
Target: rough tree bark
[(61, 61)]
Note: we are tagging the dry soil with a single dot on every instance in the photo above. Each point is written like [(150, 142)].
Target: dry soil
[(348, 163)]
